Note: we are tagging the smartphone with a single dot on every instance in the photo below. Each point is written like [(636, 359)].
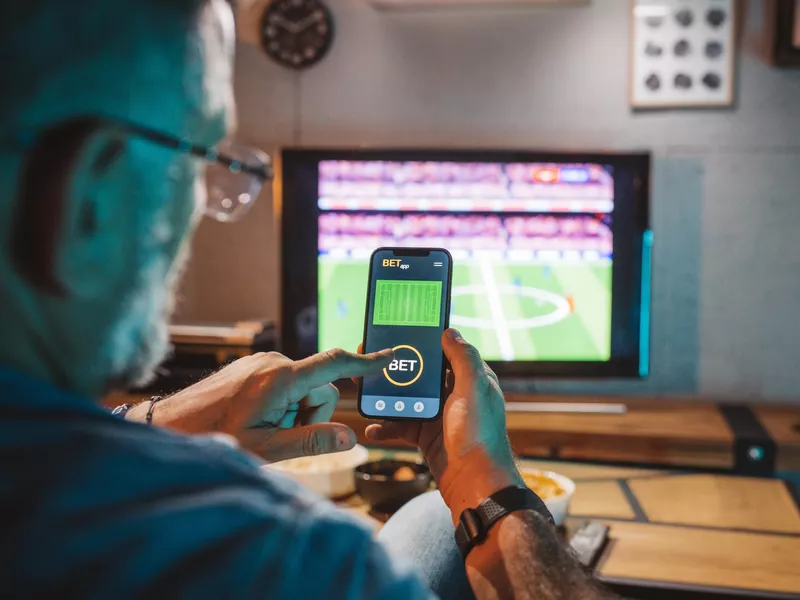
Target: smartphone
[(408, 309)]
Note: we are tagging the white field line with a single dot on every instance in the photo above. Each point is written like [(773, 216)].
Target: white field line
[(496, 307)]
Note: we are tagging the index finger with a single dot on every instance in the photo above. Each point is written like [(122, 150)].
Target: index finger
[(322, 369), (359, 350)]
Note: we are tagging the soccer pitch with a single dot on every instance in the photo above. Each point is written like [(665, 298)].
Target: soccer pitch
[(509, 310), (407, 303)]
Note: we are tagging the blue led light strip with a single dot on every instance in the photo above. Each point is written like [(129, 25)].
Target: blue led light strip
[(644, 316)]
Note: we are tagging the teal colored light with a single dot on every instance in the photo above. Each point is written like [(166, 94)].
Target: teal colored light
[(644, 316)]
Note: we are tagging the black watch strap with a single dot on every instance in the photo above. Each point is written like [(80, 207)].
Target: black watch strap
[(474, 523)]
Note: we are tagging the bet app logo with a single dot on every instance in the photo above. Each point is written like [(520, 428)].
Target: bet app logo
[(406, 367)]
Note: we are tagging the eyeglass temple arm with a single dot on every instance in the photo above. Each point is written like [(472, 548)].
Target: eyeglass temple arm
[(264, 173)]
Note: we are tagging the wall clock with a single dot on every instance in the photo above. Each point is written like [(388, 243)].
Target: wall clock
[(297, 33)]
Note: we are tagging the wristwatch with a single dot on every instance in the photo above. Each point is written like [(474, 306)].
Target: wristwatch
[(474, 523)]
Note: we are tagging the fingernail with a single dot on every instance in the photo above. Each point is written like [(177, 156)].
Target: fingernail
[(454, 334), (344, 439)]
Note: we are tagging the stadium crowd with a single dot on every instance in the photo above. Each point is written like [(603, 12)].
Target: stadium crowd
[(355, 231)]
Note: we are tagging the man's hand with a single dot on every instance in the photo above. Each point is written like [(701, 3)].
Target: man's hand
[(276, 407), (468, 449), (469, 454)]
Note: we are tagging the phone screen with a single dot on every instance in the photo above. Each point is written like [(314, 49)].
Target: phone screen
[(408, 304)]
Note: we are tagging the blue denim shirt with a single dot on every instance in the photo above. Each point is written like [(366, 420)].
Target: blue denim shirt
[(97, 507)]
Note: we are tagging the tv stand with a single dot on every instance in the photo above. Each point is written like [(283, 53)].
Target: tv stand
[(688, 432)]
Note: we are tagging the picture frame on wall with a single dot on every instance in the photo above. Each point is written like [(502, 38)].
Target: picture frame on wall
[(796, 26), (682, 53), (772, 31)]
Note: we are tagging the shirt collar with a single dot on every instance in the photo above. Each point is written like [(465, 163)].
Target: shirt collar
[(20, 389)]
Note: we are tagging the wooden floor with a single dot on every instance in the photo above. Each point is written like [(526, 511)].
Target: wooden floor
[(706, 558), (673, 529)]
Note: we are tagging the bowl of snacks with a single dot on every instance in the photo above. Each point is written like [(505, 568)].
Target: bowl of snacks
[(329, 475), (388, 484), (555, 490)]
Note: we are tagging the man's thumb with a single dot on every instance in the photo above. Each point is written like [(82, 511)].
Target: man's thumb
[(322, 438), (465, 360)]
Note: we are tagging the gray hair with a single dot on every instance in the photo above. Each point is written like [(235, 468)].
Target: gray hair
[(64, 58)]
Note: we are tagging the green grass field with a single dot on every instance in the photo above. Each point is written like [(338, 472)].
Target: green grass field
[(510, 311), (408, 303)]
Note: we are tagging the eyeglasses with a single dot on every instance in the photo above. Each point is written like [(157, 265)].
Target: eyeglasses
[(235, 173)]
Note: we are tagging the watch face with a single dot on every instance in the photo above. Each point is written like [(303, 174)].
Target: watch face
[(297, 33)]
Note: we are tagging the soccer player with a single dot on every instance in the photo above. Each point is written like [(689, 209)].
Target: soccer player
[(518, 286)]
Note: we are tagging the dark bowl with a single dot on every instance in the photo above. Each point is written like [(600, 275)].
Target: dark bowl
[(376, 484)]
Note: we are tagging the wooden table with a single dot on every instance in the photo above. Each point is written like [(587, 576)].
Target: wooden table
[(678, 534), (696, 433), (687, 534)]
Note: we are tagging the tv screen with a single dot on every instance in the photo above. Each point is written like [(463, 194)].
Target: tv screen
[(547, 250)]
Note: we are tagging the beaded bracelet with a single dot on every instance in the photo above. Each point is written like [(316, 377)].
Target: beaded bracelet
[(153, 401)]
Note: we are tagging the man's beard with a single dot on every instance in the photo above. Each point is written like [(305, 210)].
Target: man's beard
[(141, 342)]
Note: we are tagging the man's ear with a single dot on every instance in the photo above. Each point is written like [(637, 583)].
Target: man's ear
[(96, 244)]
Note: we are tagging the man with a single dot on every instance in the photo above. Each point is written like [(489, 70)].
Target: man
[(99, 201)]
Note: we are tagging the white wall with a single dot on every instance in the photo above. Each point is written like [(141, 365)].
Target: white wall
[(726, 183)]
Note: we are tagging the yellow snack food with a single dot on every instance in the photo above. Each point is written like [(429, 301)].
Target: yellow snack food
[(542, 485), (404, 474)]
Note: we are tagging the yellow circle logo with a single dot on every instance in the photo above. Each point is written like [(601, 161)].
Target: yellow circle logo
[(405, 365)]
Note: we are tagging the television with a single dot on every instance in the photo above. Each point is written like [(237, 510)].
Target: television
[(551, 250)]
